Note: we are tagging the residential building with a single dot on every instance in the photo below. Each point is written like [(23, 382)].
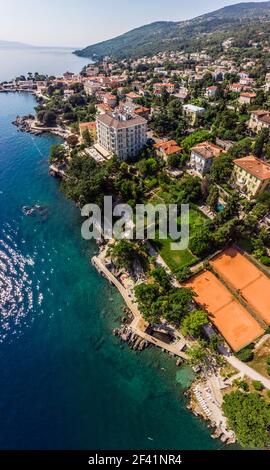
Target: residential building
[(193, 112), (103, 108), (243, 75), (91, 88), (211, 91), (251, 176), (159, 87), (247, 98), (110, 99), (236, 87), (161, 71), (202, 157), (227, 44), (92, 70), (41, 86), (132, 96), (259, 120), (121, 134), (26, 84), (142, 111), (68, 75), (246, 81), (182, 94), (69, 92), (167, 148)]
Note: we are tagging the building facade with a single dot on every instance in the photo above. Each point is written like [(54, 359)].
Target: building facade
[(251, 176), (202, 157), (247, 98), (91, 88), (193, 112), (121, 134), (259, 120), (167, 148)]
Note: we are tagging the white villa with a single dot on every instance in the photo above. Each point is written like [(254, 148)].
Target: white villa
[(202, 156)]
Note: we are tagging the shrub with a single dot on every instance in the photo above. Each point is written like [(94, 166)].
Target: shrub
[(243, 385), (265, 260), (257, 385), (246, 354)]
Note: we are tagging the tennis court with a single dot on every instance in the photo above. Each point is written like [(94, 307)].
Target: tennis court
[(232, 320), (252, 284)]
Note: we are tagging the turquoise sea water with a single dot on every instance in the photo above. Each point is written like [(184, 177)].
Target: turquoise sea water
[(66, 382)]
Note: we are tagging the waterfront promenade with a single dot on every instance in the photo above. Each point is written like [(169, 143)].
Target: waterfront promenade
[(174, 349)]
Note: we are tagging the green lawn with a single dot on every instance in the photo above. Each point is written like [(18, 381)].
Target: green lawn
[(180, 258), (174, 259)]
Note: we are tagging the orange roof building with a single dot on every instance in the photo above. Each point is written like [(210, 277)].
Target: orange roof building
[(109, 99), (103, 108), (236, 87), (247, 98), (132, 96), (251, 175), (170, 147), (142, 111), (169, 87), (232, 320)]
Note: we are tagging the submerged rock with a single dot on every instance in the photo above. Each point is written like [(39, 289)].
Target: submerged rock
[(36, 210)]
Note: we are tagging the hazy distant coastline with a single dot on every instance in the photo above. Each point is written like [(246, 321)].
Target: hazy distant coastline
[(21, 45), (18, 59)]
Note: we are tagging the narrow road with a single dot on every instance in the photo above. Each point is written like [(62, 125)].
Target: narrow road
[(248, 371)]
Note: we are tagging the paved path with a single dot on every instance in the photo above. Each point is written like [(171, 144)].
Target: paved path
[(174, 348), (244, 368), (263, 340)]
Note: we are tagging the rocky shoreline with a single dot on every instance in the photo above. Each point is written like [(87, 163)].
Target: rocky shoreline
[(23, 125), (134, 341), (28, 124)]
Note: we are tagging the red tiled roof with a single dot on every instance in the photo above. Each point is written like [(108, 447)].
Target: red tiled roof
[(170, 147), (141, 110), (133, 95), (109, 96), (208, 150), (248, 95), (254, 166), (160, 85), (262, 115), (103, 106)]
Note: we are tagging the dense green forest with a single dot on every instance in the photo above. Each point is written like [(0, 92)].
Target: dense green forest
[(185, 35)]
